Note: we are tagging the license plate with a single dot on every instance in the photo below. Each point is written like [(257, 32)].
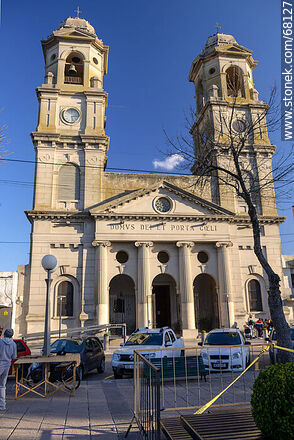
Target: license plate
[(129, 367), (219, 365)]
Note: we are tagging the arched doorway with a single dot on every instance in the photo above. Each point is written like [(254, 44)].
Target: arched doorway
[(165, 309), (206, 302), (122, 302)]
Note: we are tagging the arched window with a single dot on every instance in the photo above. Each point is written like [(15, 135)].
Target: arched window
[(254, 294), (69, 182), (74, 69), (64, 305), (235, 86)]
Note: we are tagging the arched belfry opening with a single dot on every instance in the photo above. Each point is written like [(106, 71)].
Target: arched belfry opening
[(235, 83), (122, 302), (165, 309), (206, 302), (74, 69)]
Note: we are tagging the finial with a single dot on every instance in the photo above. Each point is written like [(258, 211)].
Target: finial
[(78, 11), (217, 28)]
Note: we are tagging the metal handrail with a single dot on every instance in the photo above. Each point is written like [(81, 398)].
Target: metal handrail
[(93, 329)]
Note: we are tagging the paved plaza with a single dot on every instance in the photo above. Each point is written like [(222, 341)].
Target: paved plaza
[(101, 408)]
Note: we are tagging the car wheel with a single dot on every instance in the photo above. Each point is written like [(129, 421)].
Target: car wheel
[(101, 367), (80, 372), (117, 375), (182, 353)]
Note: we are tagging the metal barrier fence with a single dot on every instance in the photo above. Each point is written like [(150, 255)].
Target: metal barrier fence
[(187, 379), (147, 397)]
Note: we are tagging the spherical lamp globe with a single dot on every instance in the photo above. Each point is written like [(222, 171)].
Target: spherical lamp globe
[(49, 262)]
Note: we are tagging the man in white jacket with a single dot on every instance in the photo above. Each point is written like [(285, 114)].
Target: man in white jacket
[(7, 353)]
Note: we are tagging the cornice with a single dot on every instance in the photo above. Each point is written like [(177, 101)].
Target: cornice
[(162, 218), (56, 215), (242, 220)]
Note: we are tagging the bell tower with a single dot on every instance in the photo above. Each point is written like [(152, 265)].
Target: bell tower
[(227, 105), (70, 140)]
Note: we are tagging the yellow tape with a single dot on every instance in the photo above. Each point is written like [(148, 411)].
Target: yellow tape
[(283, 348), (207, 405)]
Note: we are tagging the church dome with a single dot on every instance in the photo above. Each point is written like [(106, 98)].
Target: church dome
[(78, 23), (217, 40)]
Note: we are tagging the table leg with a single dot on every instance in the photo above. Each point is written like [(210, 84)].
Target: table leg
[(16, 381)]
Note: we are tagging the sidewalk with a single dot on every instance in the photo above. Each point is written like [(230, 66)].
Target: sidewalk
[(101, 409)]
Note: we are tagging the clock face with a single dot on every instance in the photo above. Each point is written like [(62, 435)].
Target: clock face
[(70, 115), (239, 125), (162, 204)]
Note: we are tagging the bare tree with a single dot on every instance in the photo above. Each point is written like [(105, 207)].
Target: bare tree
[(226, 152)]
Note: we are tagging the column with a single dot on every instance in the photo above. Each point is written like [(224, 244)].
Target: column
[(186, 285), (225, 283), (102, 310), (144, 297)]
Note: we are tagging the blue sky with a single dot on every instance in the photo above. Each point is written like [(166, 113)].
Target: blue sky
[(152, 45)]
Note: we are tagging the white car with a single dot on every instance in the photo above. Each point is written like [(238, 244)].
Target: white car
[(235, 357), (147, 339)]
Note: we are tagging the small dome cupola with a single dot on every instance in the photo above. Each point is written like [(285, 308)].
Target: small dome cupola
[(78, 23)]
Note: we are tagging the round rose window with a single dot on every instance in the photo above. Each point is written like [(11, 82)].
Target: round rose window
[(162, 204)]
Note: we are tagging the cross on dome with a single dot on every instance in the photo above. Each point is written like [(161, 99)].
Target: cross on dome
[(78, 11)]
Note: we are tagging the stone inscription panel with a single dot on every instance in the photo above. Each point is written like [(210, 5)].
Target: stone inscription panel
[(170, 227), (158, 229)]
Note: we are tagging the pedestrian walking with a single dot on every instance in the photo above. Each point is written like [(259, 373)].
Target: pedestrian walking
[(259, 327), (7, 353), (251, 325)]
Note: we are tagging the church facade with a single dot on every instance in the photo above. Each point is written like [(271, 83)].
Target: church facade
[(143, 249)]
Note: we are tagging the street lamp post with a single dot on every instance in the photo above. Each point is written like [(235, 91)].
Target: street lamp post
[(49, 263)]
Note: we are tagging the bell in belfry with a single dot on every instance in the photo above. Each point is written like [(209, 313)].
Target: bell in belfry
[(72, 70)]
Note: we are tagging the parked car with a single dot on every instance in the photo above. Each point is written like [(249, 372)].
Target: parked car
[(147, 339), (274, 357), (90, 349), (22, 350), (225, 358)]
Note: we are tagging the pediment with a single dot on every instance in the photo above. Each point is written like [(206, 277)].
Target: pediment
[(233, 48), (69, 32), (154, 202)]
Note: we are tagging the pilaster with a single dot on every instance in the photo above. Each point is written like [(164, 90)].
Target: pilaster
[(186, 286), (226, 300), (144, 298), (102, 310)]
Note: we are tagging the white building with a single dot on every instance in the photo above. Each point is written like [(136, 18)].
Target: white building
[(147, 250)]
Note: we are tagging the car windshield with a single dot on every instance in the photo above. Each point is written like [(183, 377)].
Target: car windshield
[(274, 335), (145, 339), (223, 338), (67, 346)]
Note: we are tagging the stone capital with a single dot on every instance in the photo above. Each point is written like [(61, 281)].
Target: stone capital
[(188, 244), (96, 243), (144, 243), (221, 244)]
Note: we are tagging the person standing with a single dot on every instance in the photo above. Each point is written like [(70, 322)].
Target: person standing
[(7, 353)]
